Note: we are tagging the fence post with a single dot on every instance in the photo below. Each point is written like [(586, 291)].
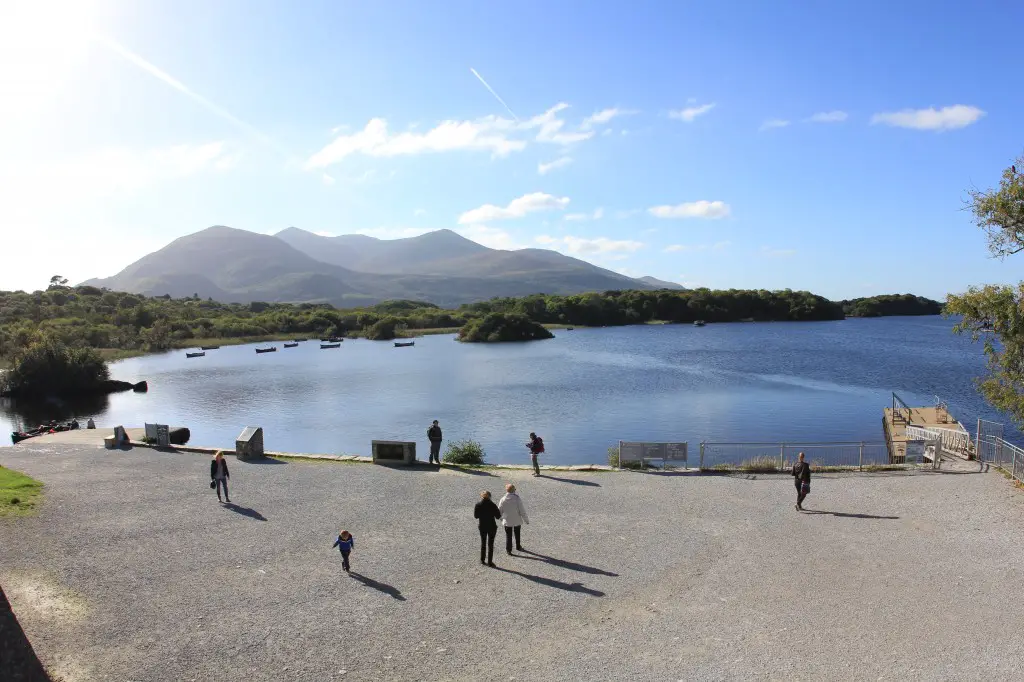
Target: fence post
[(860, 462), (619, 458), (977, 441), (782, 456), (702, 455)]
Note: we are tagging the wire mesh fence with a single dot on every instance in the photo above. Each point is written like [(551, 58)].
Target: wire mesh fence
[(781, 456)]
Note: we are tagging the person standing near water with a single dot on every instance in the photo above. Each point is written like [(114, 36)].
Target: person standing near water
[(536, 446), (219, 473), (487, 513), (802, 477), (434, 434), (513, 516)]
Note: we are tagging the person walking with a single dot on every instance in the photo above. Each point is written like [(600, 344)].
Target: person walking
[(434, 434), (536, 446), (219, 474), (487, 513), (346, 542), (513, 516), (802, 477)]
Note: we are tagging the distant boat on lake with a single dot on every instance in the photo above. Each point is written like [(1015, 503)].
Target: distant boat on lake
[(330, 345), (699, 323), (195, 355), (569, 329), (291, 345), (272, 349), (401, 344), (299, 340), (208, 347)]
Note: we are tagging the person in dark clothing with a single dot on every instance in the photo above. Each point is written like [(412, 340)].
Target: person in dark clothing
[(434, 434), (488, 514), (219, 473), (536, 446), (346, 542), (802, 477)]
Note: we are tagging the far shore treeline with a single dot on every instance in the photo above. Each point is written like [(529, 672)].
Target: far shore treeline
[(89, 317)]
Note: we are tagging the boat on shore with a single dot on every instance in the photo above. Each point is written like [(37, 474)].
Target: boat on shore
[(292, 345), (272, 349), (699, 323), (330, 345), (403, 344), (208, 347), (52, 427), (200, 354)]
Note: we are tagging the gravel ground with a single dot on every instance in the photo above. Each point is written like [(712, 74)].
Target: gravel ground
[(132, 571)]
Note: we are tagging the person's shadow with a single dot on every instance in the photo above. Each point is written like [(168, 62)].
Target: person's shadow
[(562, 563), (849, 516), (551, 582), (574, 481), (379, 586), (245, 511)]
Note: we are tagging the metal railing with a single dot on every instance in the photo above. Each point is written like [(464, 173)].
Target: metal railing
[(995, 451), (780, 456)]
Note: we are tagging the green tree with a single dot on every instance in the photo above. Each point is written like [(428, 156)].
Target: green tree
[(49, 368), (995, 314)]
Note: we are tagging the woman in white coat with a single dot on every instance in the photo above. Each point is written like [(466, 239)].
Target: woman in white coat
[(513, 516)]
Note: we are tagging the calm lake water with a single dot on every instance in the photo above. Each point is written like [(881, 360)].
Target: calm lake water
[(582, 391)]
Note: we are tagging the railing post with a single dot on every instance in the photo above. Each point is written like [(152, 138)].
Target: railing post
[(977, 441), (702, 455), (860, 462), (782, 456)]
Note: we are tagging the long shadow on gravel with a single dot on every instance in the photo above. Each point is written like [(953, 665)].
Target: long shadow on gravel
[(558, 584), (379, 586), (849, 516), (245, 511), (466, 470), (18, 660), (265, 460), (562, 563), (574, 481)]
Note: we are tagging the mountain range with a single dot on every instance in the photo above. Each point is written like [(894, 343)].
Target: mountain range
[(294, 265)]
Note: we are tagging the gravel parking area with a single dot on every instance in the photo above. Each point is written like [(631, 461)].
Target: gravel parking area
[(133, 571)]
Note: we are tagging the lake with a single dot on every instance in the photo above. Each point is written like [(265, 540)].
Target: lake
[(581, 391)]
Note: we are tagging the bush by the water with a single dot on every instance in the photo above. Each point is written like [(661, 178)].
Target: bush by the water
[(503, 327), (49, 368), (464, 452)]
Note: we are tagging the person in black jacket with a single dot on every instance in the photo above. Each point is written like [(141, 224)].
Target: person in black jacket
[(487, 512), (802, 477), (219, 473), (434, 435)]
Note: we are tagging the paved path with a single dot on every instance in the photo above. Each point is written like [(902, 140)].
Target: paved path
[(133, 571)]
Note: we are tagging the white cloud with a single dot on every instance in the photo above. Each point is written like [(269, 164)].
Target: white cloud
[(695, 209), (579, 217), (550, 127), (491, 237), (774, 123), (690, 113), (687, 248), (603, 116), (599, 246), (419, 212), (517, 208), (828, 117), (769, 252), (946, 118), (327, 179), (545, 168)]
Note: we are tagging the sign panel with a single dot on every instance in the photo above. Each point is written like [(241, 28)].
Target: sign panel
[(163, 435), (635, 452), (915, 450)]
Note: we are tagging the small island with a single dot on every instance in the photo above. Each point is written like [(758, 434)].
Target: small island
[(49, 369), (498, 327), (891, 304)]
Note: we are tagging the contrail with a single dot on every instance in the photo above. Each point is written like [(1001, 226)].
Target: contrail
[(496, 95), (182, 88)]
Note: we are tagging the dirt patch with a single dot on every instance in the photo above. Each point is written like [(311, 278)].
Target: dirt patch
[(39, 597)]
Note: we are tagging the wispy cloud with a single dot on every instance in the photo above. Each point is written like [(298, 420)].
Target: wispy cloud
[(496, 95), (694, 209), (687, 248), (690, 113), (579, 217), (419, 212), (550, 127), (774, 123), (170, 80), (946, 118), (599, 246), (517, 208), (545, 168), (770, 252), (604, 116), (828, 117)]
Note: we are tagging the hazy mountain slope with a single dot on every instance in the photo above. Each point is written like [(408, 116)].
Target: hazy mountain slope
[(660, 283)]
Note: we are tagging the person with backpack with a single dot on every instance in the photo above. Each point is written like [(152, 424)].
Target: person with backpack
[(434, 435), (802, 477), (536, 446)]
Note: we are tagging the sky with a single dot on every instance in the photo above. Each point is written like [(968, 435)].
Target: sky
[(826, 146)]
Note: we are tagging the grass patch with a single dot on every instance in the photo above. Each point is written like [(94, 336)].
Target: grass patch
[(764, 464), (19, 494), (613, 460)]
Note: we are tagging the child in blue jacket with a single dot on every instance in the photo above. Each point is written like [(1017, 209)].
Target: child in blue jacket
[(346, 543)]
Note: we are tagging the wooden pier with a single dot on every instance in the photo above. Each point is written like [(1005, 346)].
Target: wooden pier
[(936, 418)]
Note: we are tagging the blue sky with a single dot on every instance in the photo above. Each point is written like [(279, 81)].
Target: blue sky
[(810, 145)]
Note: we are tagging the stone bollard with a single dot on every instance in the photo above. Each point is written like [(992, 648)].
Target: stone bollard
[(249, 444)]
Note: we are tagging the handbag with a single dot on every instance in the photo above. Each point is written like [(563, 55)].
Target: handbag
[(805, 488), (213, 484)]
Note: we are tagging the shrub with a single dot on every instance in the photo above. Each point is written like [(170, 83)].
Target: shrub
[(761, 464), (49, 368), (464, 452), (496, 327), (613, 459)]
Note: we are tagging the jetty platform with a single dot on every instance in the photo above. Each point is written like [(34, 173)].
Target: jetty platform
[(934, 421)]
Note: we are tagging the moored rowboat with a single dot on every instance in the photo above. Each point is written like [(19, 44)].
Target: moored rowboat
[(272, 349), (195, 355), (330, 345), (400, 344)]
